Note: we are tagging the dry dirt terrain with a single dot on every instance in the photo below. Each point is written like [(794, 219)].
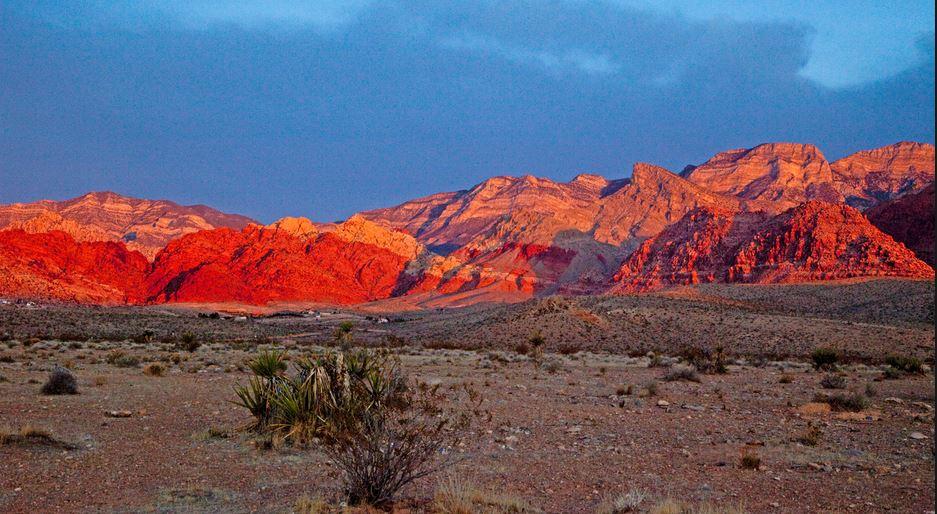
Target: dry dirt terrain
[(592, 419)]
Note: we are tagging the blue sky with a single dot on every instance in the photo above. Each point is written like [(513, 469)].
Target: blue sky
[(325, 108)]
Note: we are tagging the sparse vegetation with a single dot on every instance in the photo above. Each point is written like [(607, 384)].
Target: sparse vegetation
[(811, 436), (705, 360), (455, 496), (905, 363), (60, 381), (749, 461), (681, 373), (833, 381), (382, 432), (29, 435), (853, 402), (154, 369), (622, 503), (189, 342), (786, 378), (824, 359), (121, 359)]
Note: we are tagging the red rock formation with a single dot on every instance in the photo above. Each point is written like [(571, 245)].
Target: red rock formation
[(813, 241), (55, 266), (872, 176), (144, 225), (785, 173), (910, 220), (352, 262)]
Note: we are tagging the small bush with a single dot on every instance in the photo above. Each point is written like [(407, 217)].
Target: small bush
[(833, 382), (568, 348), (60, 381), (145, 337), (622, 503), (154, 369), (454, 496), (307, 505), (684, 373), (786, 378), (824, 358), (378, 430), (120, 359), (522, 348), (705, 360), (189, 342), (650, 389), (537, 340), (624, 390), (905, 363), (891, 373), (810, 437), (750, 461), (841, 402)]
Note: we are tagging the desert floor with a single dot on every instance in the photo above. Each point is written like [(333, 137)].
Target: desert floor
[(564, 433)]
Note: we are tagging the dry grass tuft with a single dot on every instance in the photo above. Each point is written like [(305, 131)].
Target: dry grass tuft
[(30, 435), (454, 496)]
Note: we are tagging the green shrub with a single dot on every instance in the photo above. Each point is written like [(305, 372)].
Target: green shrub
[(189, 342), (379, 430), (905, 363), (839, 402), (122, 360), (824, 358), (832, 381), (706, 360)]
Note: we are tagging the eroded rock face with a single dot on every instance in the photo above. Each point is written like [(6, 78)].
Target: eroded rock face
[(352, 262), (784, 173), (773, 213), (810, 242), (910, 220), (54, 266), (143, 225), (873, 176)]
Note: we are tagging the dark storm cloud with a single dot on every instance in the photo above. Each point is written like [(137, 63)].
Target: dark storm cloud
[(327, 109)]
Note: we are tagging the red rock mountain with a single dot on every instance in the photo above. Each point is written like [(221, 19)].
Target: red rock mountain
[(355, 261), (144, 225), (773, 213), (872, 176), (54, 266), (810, 242), (910, 220), (789, 174), (784, 173)]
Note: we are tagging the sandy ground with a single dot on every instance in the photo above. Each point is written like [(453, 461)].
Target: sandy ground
[(561, 440)]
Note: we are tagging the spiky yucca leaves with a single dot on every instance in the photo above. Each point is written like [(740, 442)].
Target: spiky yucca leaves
[(328, 392), (382, 433), (268, 364)]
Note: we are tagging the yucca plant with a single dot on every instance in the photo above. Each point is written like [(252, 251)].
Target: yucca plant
[(269, 364), (380, 432)]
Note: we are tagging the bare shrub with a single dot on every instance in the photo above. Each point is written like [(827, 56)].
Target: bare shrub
[(60, 381)]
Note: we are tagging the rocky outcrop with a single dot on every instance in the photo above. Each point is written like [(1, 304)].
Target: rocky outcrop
[(910, 220), (352, 262), (54, 266), (873, 176), (813, 241), (143, 225), (786, 174)]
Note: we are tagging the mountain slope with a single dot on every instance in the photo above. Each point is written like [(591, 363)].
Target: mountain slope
[(55, 266), (785, 173), (144, 225), (910, 220), (872, 176), (813, 241)]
